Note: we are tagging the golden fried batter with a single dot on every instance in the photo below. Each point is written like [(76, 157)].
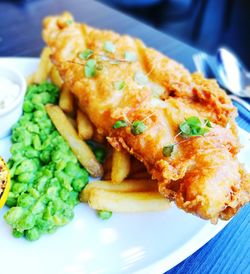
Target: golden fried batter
[(202, 174)]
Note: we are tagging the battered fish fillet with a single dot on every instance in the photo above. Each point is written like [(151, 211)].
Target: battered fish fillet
[(202, 174)]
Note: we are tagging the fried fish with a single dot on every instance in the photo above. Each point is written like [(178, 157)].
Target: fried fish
[(137, 98)]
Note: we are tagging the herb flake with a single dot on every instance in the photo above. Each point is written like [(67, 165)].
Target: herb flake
[(86, 54), (90, 68), (119, 85), (167, 150), (138, 127), (194, 127), (120, 124)]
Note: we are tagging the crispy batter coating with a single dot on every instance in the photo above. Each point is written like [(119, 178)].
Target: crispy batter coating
[(202, 175)]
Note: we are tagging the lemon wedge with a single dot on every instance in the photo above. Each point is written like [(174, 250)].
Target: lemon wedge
[(4, 182)]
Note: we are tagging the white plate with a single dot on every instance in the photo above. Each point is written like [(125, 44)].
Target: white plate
[(127, 243)]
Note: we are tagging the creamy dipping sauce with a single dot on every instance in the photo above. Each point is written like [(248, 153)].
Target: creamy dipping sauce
[(9, 91)]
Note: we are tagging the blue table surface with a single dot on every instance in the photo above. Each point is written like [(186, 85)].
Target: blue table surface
[(20, 35)]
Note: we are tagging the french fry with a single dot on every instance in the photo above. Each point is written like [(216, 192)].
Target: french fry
[(120, 166), (55, 77), (66, 100), (101, 199), (84, 126), (44, 66), (72, 121), (81, 150), (125, 186)]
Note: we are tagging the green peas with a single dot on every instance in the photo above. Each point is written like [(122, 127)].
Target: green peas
[(17, 148), (27, 166), (64, 179), (45, 156), (26, 177), (41, 183), (26, 222), (27, 106), (72, 169), (19, 188), (11, 200), (52, 192), (104, 214), (17, 234), (25, 200), (36, 142), (45, 175), (49, 211), (33, 128), (60, 165), (31, 152), (32, 234), (38, 207), (79, 184), (13, 215), (34, 193), (44, 225), (73, 199), (64, 194)]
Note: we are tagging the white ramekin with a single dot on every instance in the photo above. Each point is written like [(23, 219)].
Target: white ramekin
[(10, 115)]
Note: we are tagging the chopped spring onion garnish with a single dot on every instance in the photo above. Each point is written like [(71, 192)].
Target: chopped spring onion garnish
[(120, 124), (86, 54), (90, 68), (194, 127), (167, 150), (138, 127), (141, 78), (130, 56), (109, 46), (119, 85)]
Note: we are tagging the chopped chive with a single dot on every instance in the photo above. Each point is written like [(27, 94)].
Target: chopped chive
[(119, 85), (138, 127), (90, 68), (130, 56), (86, 54), (120, 124), (109, 46), (167, 150)]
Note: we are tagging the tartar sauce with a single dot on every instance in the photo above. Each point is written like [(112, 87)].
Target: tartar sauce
[(8, 92)]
